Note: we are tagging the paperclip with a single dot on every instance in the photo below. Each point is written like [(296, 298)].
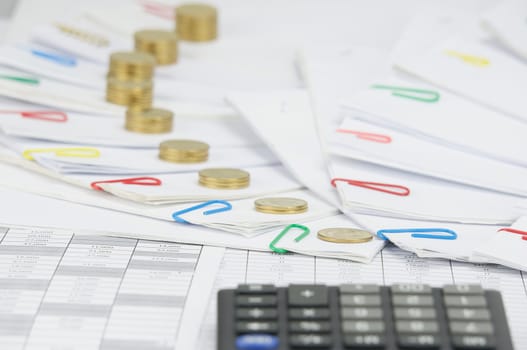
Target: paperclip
[(513, 230), (87, 37), (29, 81), (143, 181), (421, 233), (473, 60), (367, 136), (376, 186), (420, 95), (227, 207), (277, 250), (80, 152), (60, 59), (51, 116), (158, 9)]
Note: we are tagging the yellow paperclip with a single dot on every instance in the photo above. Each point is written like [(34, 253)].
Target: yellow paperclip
[(80, 152), (473, 60)]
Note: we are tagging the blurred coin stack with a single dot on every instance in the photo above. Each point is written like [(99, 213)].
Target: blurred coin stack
[(184, 151), (196, 22), (224, 178), (149, 121), (161, 44), (129, 81)]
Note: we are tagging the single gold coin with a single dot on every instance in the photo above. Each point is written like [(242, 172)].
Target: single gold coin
[(196, 22), (344, 235), (162, 44), (131, 65), (149, 121), (224, 178), (280, 205), (184, 151)]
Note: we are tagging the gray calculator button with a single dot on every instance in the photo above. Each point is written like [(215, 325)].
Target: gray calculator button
[(480, 328), (465, 301), (256, 313), (362, 326), (309, 327), (308, 313), (361, 313), (468, 314), (409, 288), (416, 313), (412, 300), (419, 341), (359, 289), (256, 327), (360, 300), (256, 300), (306, 341), (462, 289), (473, 342), (417, 326), (307, 295), (365, 341), (256, 289)]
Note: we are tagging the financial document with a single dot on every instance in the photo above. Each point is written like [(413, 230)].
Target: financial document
[(391, 266), (62, 290)]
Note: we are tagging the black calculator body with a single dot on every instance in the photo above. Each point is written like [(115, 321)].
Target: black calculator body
[(362, 317)]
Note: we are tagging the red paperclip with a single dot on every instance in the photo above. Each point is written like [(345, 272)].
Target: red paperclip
[(513, 230), (367, 136), (158, 9), (51, 116), (143, 181), (376, 186)]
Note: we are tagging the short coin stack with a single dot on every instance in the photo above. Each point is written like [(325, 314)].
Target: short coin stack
[(130, 79), (149, 121), (196, 22), (344, 235), (184, 151), (281, 205), (161, 44), (224, 178)]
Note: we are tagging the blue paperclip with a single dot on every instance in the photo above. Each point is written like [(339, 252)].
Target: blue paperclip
[(227, 206), (420, 233), (60, 59)]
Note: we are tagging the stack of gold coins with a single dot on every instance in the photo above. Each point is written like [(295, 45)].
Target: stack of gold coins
[(224, 178), (196, 22), (161, 44), (149, 121), (280, 205), (344, 235), (135, 94), (184, 151), (131, 66)]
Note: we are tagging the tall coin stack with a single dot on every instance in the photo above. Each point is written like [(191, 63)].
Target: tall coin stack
[(129, 81), (161, 44), (196, 22)]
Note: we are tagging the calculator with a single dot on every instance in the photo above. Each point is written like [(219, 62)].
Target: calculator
[(362, 317)]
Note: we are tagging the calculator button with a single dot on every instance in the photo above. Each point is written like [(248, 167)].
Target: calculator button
[(466, 301), (307, 295), (256, 300), (365, 341), (256, 327), (417, 326), (360, 289), (360, 300), (256, 289), (256, 314), (480, 328), (468, 314), (409, 288), (309, 326), (412, 300), (480, 342), (308, 313), (310, 341), (361, 313), (416, 313), (257, 342), (362, 327), (462, 289), (421, 341)]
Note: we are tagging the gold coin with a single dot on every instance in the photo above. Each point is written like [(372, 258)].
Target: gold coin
[(149, 121), (161, 44), (344, 235), (224, 178), (129, 93), (184, 151), (281, 205), (196, 22), (131, 65)]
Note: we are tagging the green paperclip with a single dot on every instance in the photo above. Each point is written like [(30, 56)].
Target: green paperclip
[(277, 250), (30, 81), (420, 95)]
